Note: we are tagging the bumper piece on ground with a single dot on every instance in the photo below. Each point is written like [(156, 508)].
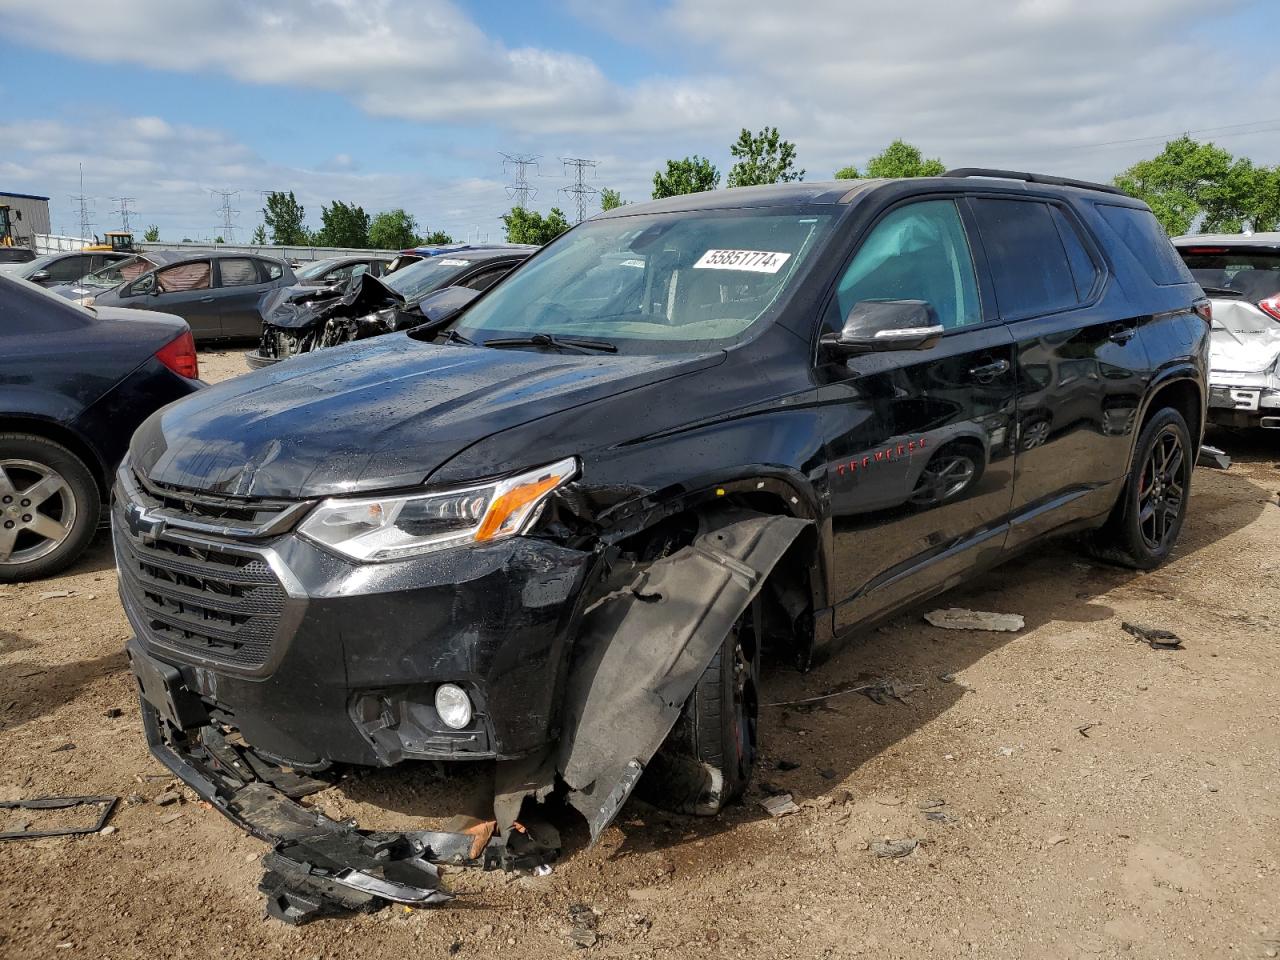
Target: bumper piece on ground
[(319, 866)]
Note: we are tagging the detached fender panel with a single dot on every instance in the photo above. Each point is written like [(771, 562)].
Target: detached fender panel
[(643, 648)]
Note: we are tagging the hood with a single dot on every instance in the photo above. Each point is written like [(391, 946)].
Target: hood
[(374, 415), (1244, 339)]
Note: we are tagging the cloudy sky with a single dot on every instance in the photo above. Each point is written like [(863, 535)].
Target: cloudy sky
[(411, 102)]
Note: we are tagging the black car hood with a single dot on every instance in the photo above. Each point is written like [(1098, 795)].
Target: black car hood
[(298, 307), (375, 415)]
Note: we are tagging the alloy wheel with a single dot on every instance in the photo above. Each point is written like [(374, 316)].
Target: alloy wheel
[(1161, 490), (37, 510)]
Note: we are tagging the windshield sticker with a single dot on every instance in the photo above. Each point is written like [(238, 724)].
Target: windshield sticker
[(453, 263), (753, 261)]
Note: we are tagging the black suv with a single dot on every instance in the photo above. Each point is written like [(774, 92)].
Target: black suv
[(558, 530)]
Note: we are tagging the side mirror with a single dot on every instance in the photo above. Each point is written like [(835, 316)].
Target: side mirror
[(880, 325), (40, 276), (154, 291)]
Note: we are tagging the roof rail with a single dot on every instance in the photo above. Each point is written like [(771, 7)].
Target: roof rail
[(1033, 178)]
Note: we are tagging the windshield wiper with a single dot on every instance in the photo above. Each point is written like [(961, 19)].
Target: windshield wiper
[(548, 340), (1222, 292), (453, 336)]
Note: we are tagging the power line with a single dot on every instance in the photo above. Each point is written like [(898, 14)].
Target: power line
[(521, 191), (227, 213), (1169, 136), (579, 189), (85, 223), (124, 202)]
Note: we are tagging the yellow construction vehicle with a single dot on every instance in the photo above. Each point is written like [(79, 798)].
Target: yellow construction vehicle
[(7, 238), (114, 241)]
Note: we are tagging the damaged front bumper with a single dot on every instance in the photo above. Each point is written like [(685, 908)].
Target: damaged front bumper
[(319, 866)]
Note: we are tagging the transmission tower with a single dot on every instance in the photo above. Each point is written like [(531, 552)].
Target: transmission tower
[(577, 168), (123, 203), (85, 223), (520, 190), (227, 213)]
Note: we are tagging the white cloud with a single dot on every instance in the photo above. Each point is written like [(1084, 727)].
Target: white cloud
[(1035, 84), (170, 169)]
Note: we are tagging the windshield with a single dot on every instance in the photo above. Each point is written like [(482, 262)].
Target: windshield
[(117, 273), (1254, 274), (418, 279), (313, 270), (689, 280)]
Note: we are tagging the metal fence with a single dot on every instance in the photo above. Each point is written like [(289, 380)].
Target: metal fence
[(53, 243), (267, 250)]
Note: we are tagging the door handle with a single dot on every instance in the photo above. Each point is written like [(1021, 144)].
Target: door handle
[(1122, 334), (989, 371), (206, 299)]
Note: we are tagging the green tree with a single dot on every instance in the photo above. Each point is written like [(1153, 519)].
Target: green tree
[(848, 173), (1188, 180), (259, 236), (762, 158), (609, 199), (902, 159), (529, 226), (393, 230), (342, 225), (152, 235), (283, 216), (434, 239), (690, 175), (218, 239)]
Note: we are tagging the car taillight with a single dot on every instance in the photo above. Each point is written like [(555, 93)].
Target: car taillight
[(1271, 306), (179, 355), (1204, 310)]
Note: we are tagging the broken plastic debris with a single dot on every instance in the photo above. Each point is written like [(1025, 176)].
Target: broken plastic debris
[(542, 870), (780, 805), (1213, 457), (892, 849), (958, 618), (1154, 637)]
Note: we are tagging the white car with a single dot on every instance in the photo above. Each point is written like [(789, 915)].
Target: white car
[(1240, 273)]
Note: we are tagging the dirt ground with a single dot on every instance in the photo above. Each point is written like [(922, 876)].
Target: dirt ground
[(1093, 797)]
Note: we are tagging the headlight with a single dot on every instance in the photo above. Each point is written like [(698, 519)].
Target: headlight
[(389, 528), (86, 301)]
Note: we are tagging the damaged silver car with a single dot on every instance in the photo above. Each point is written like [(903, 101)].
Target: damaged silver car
[(1241, 275)]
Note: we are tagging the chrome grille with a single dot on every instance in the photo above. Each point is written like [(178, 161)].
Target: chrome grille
[(214, 601)]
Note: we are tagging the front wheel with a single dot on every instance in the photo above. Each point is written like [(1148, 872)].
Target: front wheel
[(1145, 523), (707, 759)]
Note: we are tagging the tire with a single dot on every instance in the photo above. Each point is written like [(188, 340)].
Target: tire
[(707, 759), (1146, 521), (63, 494)]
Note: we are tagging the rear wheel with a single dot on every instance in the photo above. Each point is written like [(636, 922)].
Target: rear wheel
[(49, 507), (1145, 524), (706, 760)]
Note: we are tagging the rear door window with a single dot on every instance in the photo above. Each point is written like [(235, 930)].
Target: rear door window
[(1142, 234), (1083, 270), (237, 272), (184, 276), (69, 268), (1029, 264), (271, 270)]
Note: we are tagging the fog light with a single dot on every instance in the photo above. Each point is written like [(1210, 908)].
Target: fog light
[(453, 705)]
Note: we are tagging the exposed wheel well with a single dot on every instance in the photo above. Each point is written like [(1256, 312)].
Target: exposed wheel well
[(60, 434), (1183, 396), (792, 590)]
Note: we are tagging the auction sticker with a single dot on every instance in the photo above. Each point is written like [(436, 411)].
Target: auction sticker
[(753, 261)]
